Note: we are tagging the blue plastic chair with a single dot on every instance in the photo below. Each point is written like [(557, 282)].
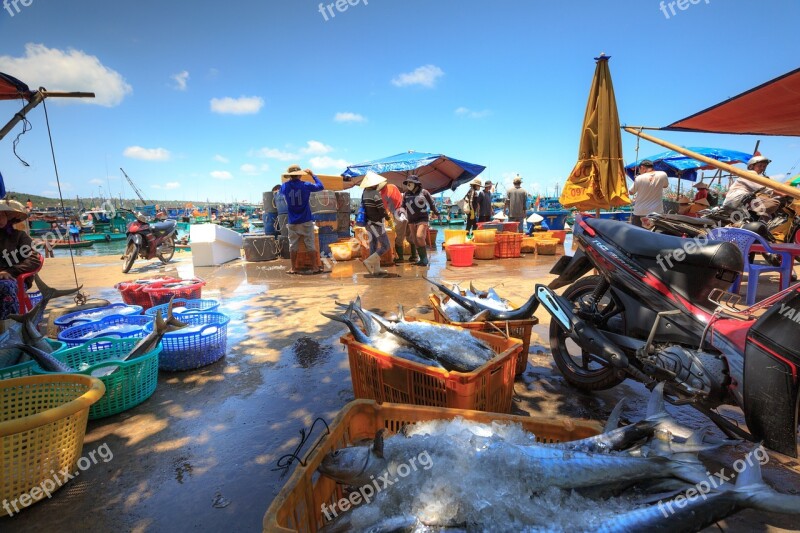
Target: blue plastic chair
[(744, 239)]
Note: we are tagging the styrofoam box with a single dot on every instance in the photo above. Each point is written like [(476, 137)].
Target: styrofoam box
[(213, 244)]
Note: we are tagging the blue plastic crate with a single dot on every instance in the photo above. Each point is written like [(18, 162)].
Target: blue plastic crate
[(191, 306), (82, 333), (82, 317), (185, 350)]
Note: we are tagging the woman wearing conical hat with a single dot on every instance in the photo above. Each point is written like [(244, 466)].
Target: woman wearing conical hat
[(17, 256)]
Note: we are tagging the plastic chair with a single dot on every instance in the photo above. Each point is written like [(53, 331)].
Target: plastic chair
[(22, 290), (744, 239)]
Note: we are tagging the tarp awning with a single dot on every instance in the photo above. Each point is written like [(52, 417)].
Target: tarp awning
[(13, 89), (772, 108)]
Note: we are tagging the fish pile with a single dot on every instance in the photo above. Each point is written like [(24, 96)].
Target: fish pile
[(485, 305), (496, 477), (437, 345), (458, 313)]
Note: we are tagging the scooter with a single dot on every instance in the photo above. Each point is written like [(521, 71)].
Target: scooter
[(659, 310), (148, 240)]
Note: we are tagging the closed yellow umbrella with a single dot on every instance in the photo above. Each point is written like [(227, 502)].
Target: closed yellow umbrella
[(598, 179)]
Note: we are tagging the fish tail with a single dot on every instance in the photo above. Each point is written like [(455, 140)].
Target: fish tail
[(613, 419), (358, 335), (751, 491), (48, 293)]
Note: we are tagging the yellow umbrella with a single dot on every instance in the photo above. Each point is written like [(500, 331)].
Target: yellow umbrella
[(598, 179)]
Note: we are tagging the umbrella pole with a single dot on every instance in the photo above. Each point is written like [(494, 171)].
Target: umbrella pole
[(752, 176)]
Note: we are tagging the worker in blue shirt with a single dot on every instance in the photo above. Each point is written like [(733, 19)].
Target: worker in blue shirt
[(300, 222)]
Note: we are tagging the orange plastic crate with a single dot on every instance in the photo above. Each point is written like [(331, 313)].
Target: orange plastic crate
[(507, 245), (518, 329), (382, 377), (298, 506)]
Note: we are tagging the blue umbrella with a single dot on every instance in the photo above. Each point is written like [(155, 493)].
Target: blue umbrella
[(436, 172), (677, 165)]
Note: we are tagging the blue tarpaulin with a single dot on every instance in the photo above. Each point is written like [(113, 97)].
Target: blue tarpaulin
[(437, 172), (677, 165), (2, 187)]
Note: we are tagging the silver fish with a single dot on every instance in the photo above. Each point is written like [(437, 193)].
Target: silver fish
[(392, 524), (45, 360), (475, 306)]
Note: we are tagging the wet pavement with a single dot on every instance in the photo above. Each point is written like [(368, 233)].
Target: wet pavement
[(201, 454)]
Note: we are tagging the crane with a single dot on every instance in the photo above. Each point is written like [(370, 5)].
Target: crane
[(135, 188)]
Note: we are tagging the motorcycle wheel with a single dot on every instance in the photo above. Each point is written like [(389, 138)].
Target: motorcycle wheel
[(580, 368), (131, 253), (166, 250)]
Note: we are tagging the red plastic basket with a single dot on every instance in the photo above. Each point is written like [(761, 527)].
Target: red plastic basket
[(507, 245), (162, 293), (132, 292)]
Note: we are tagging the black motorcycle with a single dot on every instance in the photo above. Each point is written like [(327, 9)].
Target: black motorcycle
[(658, 311)]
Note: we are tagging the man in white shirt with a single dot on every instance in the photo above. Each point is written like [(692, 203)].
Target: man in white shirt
[(648, 187), (765, 204)]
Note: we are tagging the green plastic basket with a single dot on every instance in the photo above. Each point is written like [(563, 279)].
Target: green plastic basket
[(26, 369), (133, 382)]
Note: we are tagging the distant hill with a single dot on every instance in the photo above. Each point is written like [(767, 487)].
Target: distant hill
[(40, 202)]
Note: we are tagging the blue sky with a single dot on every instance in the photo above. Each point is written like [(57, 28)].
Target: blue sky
[(204, 100)]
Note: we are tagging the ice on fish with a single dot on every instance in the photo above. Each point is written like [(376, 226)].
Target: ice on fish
[(116, 328), (93, 316), (196, 329)]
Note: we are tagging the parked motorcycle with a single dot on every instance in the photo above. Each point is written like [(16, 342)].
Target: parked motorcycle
[(658, 311), (148, 240)]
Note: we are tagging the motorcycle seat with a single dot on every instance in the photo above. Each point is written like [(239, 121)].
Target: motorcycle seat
[(698, 252), (164, 227), (692, 221)]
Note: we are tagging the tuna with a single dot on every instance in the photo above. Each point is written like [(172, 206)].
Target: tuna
[(475, 306)]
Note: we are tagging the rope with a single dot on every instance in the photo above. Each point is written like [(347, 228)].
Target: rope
[(80, 298)]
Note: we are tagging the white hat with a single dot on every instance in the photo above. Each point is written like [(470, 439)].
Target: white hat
[(371, 180), (757, 159), (500, 216), (476, 181), (534, 218)]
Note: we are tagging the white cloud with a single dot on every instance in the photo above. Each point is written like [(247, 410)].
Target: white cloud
[(325, 162), (253, 170), (349, 117), (96, 181), (170, 185), (65, 186), (70, 70), (316, 148), (148, 154), (221, 175), (221, 159), (244, 105), (275, 153), (469, 113), (425, 76), (180, 80), (49, 193)]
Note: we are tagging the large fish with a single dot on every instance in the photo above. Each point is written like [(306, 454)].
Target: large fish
[(475, 306), (45, 360), (150, 342), (371, 337), (455, 348), (708, 504)]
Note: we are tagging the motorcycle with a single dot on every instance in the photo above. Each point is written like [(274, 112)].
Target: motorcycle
[(148, 240), (659, 310)]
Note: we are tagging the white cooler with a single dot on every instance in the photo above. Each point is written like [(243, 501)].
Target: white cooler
[(213, 244)]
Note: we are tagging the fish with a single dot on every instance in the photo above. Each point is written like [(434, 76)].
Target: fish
[(44, 359), (149, 343), (371, 337), (455, 348), (707, 505), (393, 524), (475, 306)]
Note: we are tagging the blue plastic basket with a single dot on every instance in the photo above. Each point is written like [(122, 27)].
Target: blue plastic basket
[(73, 319), (35, 297), (26, 369), (77, 335), (193, 349), (130, 384), (192, 306)]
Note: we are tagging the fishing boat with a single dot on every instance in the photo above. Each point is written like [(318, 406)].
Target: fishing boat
[(103, 237), (59, 245)]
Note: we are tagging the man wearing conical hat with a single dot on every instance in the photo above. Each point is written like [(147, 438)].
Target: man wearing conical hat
[(300, 221), (18, 255)]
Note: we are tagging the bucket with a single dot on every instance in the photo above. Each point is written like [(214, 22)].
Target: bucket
[(269, 202), (432, 238), (280, 204), (326, 222), (461, 254), (271, 224), (260, 247), (455, 236), (283, 247), (343, 222), (325, 241), (323, 202), (281, 225)]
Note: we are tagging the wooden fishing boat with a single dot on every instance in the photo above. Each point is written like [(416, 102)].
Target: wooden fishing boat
[(103, 237), (59, 245)]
